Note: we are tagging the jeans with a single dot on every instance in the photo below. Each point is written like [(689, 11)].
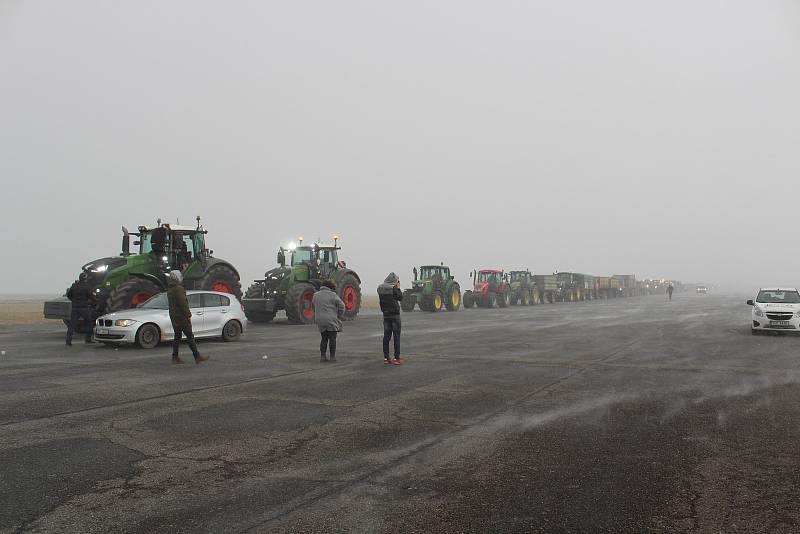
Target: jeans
[(176, 343), (328, 340), (84, 313), (391, 329)]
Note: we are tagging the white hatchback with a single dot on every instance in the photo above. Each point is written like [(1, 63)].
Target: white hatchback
[(775, 310), (213, 315)]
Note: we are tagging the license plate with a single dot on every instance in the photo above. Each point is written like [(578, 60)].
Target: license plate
[(102, 331), (779, 323)]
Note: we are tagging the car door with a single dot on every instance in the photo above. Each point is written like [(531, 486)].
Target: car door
[(198, 316), (215, 310)]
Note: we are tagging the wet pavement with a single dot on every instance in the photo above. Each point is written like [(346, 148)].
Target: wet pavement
[(630, 415)]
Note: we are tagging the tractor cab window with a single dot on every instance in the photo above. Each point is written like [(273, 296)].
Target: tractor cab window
[(488, 277), (183, 250), (198, 244), (327, 256), (428, 273), (145, 244), (301, 255)]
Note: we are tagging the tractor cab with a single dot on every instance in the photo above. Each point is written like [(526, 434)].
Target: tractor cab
[(321, 259), (434, 273), (490, 276), (519, 276), (170, 246)]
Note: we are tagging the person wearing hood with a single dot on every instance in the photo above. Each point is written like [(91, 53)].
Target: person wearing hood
[(81, 296), (328, 312), (390, 297), (181, 317)]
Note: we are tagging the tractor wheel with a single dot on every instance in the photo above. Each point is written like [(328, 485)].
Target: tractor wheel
[(254, 291), (409, 301), (513, 299), (502, 299), (130, 293), (453, 301), (437, 301), (469, 299), (299, 309), (550, 297), (349, 291), (489, 300), (148, 336), (536, 296), (525, 299), (221, 278)]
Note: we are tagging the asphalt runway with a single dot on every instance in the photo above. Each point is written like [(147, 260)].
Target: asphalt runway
[(629, 415)]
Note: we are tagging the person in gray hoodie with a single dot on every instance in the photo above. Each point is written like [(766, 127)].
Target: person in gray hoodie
[(390, 297), (328, 313)]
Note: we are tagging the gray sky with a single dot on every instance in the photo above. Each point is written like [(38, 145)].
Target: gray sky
[(655, 138)]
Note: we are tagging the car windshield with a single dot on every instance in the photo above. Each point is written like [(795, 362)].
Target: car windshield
[(159, 302), (778, 297)]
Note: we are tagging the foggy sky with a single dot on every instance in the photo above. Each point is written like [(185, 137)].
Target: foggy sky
[(654, 138)]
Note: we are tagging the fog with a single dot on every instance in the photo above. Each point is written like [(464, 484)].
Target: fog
[(655, 138)]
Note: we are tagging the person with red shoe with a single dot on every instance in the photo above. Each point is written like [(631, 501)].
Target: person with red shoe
[(390, 297)]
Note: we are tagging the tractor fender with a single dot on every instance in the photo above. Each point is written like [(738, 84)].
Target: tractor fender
[(341, 272), (150, 277), (212, 262)]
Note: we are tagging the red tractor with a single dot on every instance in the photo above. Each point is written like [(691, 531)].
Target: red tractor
[(490, 287)]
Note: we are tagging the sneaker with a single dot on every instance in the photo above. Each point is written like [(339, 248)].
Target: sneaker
[(69, 343), (200, 359), (332, 360), (397, 361), (176, 360), (323, 360), (387, 361)]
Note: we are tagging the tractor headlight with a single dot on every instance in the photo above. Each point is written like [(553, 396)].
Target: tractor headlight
[(124, 322), (100, 269)]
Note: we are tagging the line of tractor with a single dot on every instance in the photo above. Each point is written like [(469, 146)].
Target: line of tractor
[(140, 272)]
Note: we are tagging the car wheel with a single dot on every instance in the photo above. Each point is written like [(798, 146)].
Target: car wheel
[(231, 331), (148, 336)]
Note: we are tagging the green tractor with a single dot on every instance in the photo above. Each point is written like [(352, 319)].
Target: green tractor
[(291, 287), (434, 289), (125, 281), (523, 289)]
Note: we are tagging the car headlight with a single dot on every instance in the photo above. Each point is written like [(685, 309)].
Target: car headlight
[(797, 314), (758, 311), (124, 322)]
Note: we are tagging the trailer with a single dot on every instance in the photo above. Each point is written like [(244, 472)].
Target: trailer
[(627, 284), (547, 287), (607, 287)]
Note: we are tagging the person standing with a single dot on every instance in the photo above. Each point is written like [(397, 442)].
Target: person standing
[(390, 296), (670, 289), (181, 317), (81, 296), (328, 312)]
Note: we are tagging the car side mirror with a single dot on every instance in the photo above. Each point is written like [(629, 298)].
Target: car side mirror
[(750, 302)]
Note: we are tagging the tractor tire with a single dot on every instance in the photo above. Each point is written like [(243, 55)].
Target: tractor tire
[(550, 298), (221, 278), (489, 300), (131, 293), (525, 299), (502, 300), (536, 296), (299, 309), (349, 290), (254, 291), (148, 336), (408, 302), (513, 299), (437, 301), (469, 299), (453, 300)]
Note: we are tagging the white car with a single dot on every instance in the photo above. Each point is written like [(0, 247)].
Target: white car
[(776, 310), (213, 315)]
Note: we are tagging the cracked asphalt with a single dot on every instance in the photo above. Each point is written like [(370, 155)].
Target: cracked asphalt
[(630, 415)]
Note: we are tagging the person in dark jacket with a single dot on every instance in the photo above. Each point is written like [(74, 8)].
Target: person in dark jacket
[(328, 312), (390, 296), (81, 295), (181, 317), (670, 289)]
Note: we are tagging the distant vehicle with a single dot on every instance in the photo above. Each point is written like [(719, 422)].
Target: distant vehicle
[(214, 314), (701, 290), (775, 310)]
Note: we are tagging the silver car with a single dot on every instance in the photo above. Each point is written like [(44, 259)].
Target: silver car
[(213, 315)]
